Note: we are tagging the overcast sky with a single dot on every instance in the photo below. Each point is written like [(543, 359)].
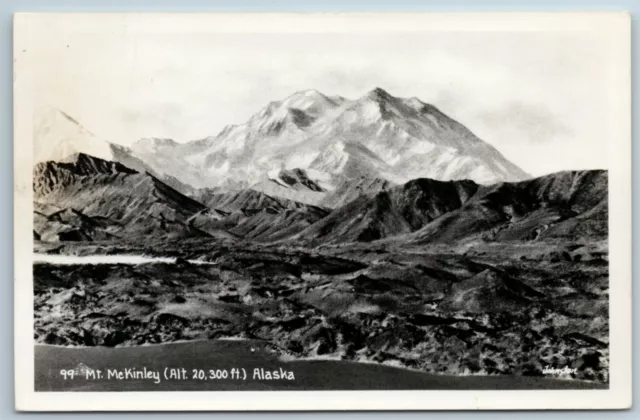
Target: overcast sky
[(541, 98)]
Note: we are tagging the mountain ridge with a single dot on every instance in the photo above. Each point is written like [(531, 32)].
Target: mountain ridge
[(424, 211), (107, 199), (126, 201)]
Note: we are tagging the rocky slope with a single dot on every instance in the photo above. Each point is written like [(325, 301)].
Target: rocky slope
[(84, 198), (120, 200), (243, 200), (567, 205), (253, 215), (57, 136), (392, 212), (564, 205), (126, 202), (490, 311), (349, 190)]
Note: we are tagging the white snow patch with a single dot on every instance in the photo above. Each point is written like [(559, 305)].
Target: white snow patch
[(107, 259), (423, 147)]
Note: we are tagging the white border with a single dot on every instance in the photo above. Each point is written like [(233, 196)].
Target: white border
[(612, 27)]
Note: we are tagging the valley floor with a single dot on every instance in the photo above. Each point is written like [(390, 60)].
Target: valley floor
[(501, 312)]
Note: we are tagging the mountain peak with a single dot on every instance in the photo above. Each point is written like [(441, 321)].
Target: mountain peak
[(415, 102), (83, 164), (310, 100), (52, 111), (51, 175), (156, 141), (308, 92), (378, 135), (379, 94), (58, 135)]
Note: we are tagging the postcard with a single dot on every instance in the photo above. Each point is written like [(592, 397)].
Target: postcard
[(372, 211)]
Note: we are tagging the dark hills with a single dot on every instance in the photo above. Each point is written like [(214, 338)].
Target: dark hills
[(108, 200), (115, 200), (565, 204), (247, 199), (126, 202), (561, 204), (348, 190), (398, 210)]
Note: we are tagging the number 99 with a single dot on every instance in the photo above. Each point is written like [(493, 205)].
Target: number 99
[(67, 373)]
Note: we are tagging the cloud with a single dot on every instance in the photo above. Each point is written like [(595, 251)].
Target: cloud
[(528, 122), (159, 118)]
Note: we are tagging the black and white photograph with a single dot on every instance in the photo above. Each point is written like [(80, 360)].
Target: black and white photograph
[(323, 203)]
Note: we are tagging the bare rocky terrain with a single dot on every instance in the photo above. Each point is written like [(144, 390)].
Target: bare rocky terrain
[(479, 311)]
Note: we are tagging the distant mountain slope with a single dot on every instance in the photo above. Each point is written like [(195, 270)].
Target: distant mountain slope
[(318, 142), (241, 153), (398, 210), (332, 139), (133, 205), (348, 190), (57, 136), (86, 198), (418, 140), (564, 204), (269, 225), (244, 200), (254, 215)]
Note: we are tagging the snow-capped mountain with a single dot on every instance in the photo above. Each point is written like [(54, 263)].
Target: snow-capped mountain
[(244, 154), (327, 140), (349, 186), (332, 138), (58, 137), (416, 140)]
